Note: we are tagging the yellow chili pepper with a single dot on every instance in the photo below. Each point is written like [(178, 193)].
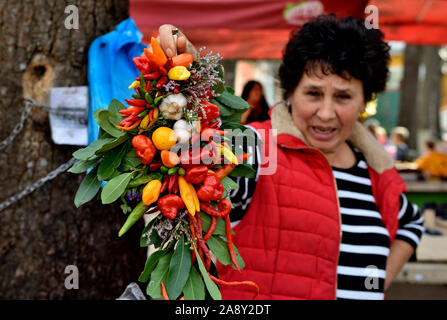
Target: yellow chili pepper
[(134, 84), (195, 197), (187, 195), (229, 155), (179, 73), (145, 122), (150, 123), (151, 192)]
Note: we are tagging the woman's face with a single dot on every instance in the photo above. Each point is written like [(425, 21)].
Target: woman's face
[(325, 109), (255, 94)]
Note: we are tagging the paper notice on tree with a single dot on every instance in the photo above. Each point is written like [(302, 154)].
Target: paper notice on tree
[(68, 116)]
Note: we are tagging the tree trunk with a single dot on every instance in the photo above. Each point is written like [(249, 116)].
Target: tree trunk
[(408, 114), (44, 232)]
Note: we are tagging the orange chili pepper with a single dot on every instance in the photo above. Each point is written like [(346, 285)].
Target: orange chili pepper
[(129, 127), (153, 58), (164, 292), (184, 59), (158, 51)]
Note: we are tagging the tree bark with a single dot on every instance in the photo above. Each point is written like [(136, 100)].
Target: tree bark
[(408, 114), (44, 232)]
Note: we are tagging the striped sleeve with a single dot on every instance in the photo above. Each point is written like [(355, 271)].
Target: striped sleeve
[(241, 197), (410, 222)]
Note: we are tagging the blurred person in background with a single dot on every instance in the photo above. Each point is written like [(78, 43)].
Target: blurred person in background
[(399, 137), (253, 93), (432, 163)]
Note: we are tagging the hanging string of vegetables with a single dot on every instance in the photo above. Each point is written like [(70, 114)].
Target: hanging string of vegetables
[(167, 155)]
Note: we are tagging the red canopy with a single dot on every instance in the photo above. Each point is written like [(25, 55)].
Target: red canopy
[(259, 29)]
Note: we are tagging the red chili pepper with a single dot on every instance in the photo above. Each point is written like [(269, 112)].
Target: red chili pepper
[(208, 133), (128, 120), (145, 149), (134, 110), (200, 241), (214, 125), (163, 80), (194, 138), (169, 204), (175, 187), (196, 174), (164, 185), (135, 102), (176, 90), (155, 166), (236, 283), (148, 86), (162, 71), (212, 188), (142, 63), (171, 182), (229, 240), (151, 115), (150, 76), (210, 109), (223, 208), (210, 231)]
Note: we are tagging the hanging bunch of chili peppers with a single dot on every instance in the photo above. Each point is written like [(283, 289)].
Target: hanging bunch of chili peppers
[(175, 133)]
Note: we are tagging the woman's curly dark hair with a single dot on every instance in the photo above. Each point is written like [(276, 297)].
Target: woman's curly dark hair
[(343, 47)]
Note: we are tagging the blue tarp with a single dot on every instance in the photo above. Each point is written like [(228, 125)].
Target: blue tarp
[(111, 69)]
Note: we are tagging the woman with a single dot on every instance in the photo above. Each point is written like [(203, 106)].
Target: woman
[(333, 221), (254, 95)]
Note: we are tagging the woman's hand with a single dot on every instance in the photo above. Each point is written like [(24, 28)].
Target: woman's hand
[(174, 44)]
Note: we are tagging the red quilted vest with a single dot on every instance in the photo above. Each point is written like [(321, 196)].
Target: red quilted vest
[(290, 235)]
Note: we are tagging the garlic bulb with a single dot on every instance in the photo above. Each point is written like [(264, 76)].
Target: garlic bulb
[(182, 134), (182, 124), (172, 106)]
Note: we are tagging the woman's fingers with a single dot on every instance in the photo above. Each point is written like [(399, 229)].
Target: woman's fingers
[(174, 44), (168, 40)]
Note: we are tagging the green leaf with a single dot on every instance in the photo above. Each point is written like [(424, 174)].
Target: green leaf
[(155, 239), (243, 170), (115, 188), (159, 274), (206, 223), (89, 151), (130, 161), (229, 184), (194, 288), (83, 165), (210, 285), (88, 188), (178, 269), (102, 118), (116, 106), (238, 257), (110, 162), (112, 144), (232, 101), (229, 90), (150, 265), (220, 249), (223, 110), (144, 241)]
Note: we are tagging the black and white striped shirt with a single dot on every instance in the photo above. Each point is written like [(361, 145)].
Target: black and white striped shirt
[(365, 243)]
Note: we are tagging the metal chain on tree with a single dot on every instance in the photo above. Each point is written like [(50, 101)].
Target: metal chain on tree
[(29, 103), (53, 174), (18, 127)]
